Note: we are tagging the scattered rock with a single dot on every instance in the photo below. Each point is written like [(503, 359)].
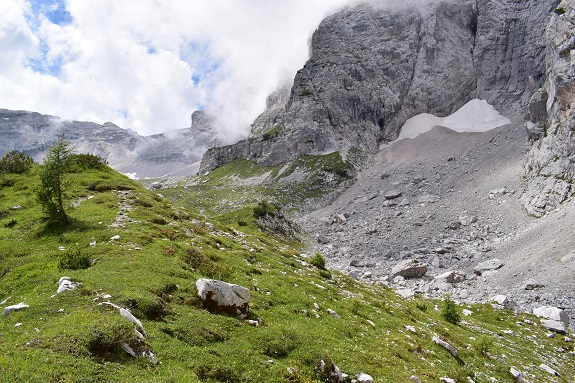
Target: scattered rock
[(489, 265), (428, 198), (363, 377), (552, 313), (115, 238), (392, 194), (410, 268), (553, 325), (156, 185), (322, 239), (548, 369), (222, 297), (455, 225), (333, 314), (530, 285), (452, 350), (18, 307), (65, 284), (516, 374), (331, 371), (452, 276), (504, 301), (415, 379)]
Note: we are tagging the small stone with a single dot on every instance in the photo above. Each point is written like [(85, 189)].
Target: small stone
[(415, 379), (333, 313), (392, 194), (115, 238), (548, 369), (364, 378), (17, 325)]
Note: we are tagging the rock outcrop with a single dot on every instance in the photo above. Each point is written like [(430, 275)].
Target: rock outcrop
[(372, 67), (550, 169)]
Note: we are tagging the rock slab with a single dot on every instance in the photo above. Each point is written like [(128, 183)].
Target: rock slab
[(222, 297)]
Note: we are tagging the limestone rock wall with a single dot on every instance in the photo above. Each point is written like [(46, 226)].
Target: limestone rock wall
[(550, 169), (373, 67)]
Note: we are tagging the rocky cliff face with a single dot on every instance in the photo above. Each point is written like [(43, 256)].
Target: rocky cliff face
[(174, 153), (550, 169), (372, 67)]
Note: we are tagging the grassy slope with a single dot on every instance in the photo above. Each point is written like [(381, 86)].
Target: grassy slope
[(153, 267)]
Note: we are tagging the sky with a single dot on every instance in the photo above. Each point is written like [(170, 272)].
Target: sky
[(146, 65)]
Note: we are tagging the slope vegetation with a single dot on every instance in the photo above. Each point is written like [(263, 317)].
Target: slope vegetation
[(133, 249)]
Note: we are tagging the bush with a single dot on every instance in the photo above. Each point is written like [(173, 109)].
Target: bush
[(449, 311), (74, 260), (325, 274), (264, 208), (81, 161), (483, 345), (106, 339), (318, 261), (15, 162)]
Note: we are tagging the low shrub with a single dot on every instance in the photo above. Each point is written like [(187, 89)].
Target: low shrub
[(80, 161), (74, 260), (16, 162), (318, 261), (483, 345), (449, 311), (264, 208)]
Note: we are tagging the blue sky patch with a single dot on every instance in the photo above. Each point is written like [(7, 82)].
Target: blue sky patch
[(54, 10), (197, 54)]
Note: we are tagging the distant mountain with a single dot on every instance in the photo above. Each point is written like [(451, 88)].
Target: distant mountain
[(174, 153)]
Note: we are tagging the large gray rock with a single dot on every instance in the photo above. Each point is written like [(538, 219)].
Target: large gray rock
[(374, 66), (410, 268), (222, 297), (552, 313), (486, 266)]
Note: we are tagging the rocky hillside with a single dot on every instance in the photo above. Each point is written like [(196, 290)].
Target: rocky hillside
[(374, 66), (174, 153), (141, 289), (451, 203)]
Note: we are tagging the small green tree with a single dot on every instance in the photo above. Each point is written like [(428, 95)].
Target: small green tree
[(15, 162), (449, 311), (52, 182)]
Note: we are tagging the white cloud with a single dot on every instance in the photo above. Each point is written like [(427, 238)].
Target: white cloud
[(148, 64)]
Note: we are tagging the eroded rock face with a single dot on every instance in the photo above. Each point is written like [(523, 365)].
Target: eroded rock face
[(550, 169), (373, 67), (221, 297)]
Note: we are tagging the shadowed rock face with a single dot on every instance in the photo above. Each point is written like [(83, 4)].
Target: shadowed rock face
[(371, 68)]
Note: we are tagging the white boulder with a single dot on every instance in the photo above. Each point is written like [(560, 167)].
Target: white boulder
[(222, 297), (19, 306)]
